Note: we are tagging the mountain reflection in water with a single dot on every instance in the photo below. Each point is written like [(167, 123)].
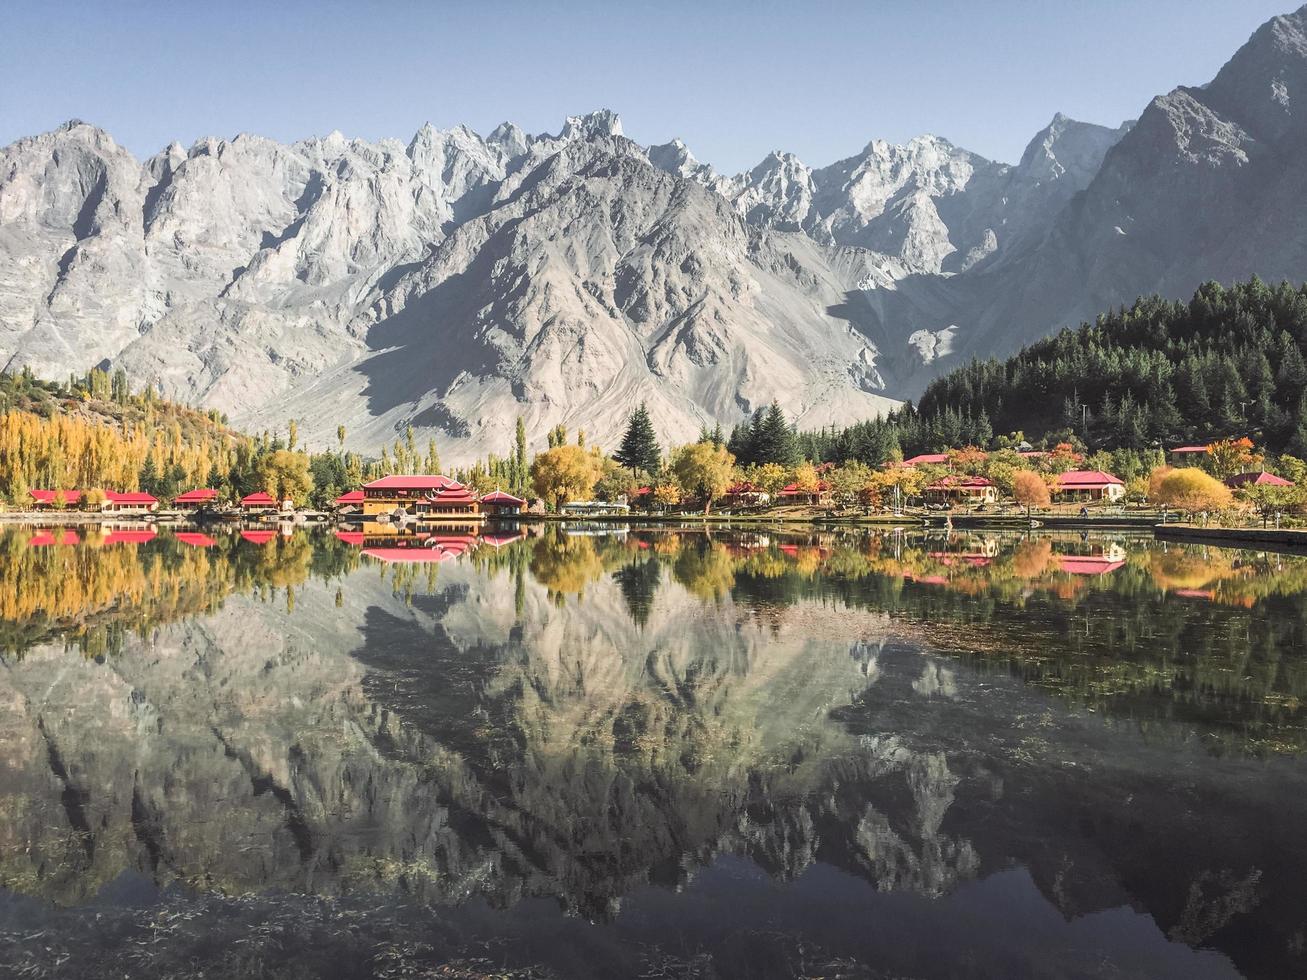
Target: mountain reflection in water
[(650, 751)]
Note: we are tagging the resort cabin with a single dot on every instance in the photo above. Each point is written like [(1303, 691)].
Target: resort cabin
[(792, 494), (135, 502), (500, 504), (968, 490), (927, 459), (195, 499), (50, 499), (421, 496), (258, 502), (1088, 485), (1187, 455), (1262, 479), (350, 502), (745, 494), (1093, 560)]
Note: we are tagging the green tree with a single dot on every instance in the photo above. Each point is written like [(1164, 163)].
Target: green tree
[(639, 449), (704, 470), (772, 440), (284, 475)]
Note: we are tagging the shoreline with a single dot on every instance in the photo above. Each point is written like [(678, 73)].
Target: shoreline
[(1289, 540)]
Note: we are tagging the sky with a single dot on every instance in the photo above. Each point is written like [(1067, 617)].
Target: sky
[(733, 80)]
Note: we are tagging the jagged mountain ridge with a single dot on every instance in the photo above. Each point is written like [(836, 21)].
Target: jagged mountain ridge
[(386, 285), (457, 281)]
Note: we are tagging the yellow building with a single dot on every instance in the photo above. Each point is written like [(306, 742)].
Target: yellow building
[(422, 496)]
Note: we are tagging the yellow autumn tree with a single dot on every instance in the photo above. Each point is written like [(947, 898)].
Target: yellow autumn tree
[(564, 473), (1191, 490)]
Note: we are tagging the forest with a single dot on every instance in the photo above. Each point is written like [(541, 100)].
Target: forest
[(1227, 364)]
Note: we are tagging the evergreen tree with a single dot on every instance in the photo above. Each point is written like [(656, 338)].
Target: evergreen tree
[(639, 449), (774, 441)]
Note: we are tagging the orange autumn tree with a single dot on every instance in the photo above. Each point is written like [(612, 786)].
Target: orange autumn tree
[(1029, 489), (1230, 456)]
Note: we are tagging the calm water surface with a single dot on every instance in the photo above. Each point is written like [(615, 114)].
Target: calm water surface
[(649, 752)]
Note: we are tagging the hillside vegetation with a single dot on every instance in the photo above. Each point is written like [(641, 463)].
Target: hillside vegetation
[(1230, 362)]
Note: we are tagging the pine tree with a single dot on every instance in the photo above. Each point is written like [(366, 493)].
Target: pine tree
[(639, 449), (774, 441)]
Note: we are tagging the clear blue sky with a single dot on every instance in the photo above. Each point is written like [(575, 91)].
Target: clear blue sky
[(734, 80)]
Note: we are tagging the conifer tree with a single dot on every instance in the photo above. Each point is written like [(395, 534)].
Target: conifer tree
[(639, 449)]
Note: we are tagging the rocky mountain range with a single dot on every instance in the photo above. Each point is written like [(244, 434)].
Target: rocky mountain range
[(459, 281)]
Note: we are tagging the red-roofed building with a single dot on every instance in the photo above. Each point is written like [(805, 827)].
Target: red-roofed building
[(1088, 485), (195, 539), (502, 504), (790, 493), (350, 501), (258, 501), (135, 501), (927, 459), (962, 489), (1262, 479), (744, 494), (355, 538), (258, 537), (420, 496), (193, 499), (1188, 455), (498, 539), (54, 498), (426, 549), (1088, 564), (129, 536), (43, 539)]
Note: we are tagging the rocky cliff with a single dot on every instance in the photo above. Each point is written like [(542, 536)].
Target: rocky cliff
[(457, 281)]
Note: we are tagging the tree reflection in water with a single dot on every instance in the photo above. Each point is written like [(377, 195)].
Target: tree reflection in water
[(614, 719)]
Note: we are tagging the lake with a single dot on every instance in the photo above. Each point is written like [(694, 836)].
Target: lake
[(619, 751)]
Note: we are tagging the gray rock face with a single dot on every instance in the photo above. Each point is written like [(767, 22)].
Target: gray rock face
[(456, 282)]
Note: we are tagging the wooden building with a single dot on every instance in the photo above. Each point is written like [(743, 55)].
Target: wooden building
[(195, 499), (421, 496), (1088, 485), (969, 490), (135, 502), (501, 504)]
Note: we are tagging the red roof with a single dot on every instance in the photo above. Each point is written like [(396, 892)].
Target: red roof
[(498, 540), (353, 497), (201, 496), (71, 497), (641, 491), (134, 497), (43, 538), (1088, 564), (414, 482), (792, 489), (129, 537), (258, 500), (744, 486), (429, 550), (1262, 479), (1190, 449), (499, 497), (258, 537), (960, 483), (1081, 479), (195, 539), (351, 537), (926, 458)]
